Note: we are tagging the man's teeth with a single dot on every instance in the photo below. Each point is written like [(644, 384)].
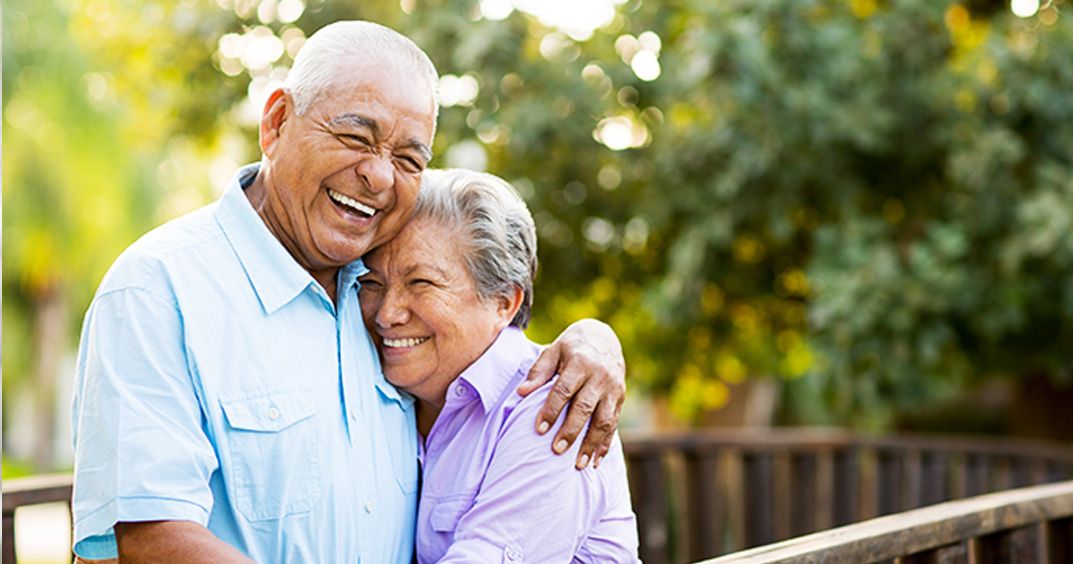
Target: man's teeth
[(351, 203), (409, 342)]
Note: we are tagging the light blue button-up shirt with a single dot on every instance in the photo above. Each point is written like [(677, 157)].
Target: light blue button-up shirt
[(217, 383)]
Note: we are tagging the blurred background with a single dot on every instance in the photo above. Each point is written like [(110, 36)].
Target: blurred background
[(793, 212)]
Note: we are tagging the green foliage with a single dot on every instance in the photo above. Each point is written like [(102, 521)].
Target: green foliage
[(872, 199)]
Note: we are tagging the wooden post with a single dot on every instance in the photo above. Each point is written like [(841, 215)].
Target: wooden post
[(707, 519), (803, 500), (9, 537), (649, 501), (1059, 540), (847, 483), (759, 477)]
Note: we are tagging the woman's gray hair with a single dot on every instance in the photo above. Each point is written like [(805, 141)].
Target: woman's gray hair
[(321, 62), (499, 231)]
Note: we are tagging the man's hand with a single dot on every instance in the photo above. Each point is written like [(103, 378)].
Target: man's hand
[(592, 378)]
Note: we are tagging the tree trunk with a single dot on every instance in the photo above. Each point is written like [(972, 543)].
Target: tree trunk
[(50, 323)]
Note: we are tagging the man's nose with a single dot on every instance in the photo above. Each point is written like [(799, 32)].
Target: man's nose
[(377, 172), (393, 310)]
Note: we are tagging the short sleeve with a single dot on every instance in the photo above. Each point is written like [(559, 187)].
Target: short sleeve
[(141, 452)]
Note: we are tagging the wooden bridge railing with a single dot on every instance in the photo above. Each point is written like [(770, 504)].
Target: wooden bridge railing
[(1033, 524), (705, 493), (702, 494), (35, 490)]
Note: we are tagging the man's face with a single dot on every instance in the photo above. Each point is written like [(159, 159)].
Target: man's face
[(344, 176)]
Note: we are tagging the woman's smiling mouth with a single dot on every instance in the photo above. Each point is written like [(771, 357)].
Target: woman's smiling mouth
[(404, 342)]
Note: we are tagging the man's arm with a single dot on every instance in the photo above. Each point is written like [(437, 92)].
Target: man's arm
[(592, 378), (173, 541), (140, 451)]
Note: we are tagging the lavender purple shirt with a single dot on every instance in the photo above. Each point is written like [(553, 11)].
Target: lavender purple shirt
[(494, 492)]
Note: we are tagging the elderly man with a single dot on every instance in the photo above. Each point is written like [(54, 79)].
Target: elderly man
[(228, 402)]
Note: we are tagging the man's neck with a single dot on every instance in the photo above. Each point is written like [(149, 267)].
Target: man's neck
[(257, 195)]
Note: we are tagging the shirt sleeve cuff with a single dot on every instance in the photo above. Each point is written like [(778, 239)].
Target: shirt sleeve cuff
[(94, 536), (478, 550)]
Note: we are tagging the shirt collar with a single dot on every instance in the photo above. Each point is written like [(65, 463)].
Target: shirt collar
[(490, 374), (391, 393), (276, 277)]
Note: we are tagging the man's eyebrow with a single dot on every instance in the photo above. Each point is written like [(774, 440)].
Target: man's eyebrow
[(420, 147), (371, 124), (357, 120)]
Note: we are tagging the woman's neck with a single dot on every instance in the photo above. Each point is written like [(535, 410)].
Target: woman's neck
[(427, 412)]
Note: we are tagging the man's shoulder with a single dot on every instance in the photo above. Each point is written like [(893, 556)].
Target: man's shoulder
[(177, 246)]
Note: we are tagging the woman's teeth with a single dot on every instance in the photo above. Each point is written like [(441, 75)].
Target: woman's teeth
[(408, 342)]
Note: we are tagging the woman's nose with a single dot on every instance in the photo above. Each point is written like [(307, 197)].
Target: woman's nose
[(393, 310)]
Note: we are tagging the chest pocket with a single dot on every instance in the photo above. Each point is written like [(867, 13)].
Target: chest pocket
[(446, 513), (274, 467)]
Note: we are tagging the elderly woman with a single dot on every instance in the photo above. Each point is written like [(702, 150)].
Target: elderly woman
[(446, 302)]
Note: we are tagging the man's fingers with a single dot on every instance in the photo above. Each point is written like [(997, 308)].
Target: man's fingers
[(542, 370), (581, 409), (598, 438), (561, 392)]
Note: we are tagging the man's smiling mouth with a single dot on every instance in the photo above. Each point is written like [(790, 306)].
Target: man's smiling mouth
[(351, 204)]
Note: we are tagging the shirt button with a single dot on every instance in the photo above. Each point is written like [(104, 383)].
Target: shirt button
[(460, 391), (273, 413), (512, 554), (368, 506)]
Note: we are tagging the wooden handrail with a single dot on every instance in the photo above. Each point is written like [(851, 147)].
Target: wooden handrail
[(699, 494), (817, 438), (34, 490), (919, 530)]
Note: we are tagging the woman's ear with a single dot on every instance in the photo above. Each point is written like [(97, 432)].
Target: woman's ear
[(276, 112), (507, 306)]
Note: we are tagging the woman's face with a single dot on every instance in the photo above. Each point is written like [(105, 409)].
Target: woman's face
[(421, 306)]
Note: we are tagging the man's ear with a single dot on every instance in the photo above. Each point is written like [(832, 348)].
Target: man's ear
[(507, 306), (278, 109)]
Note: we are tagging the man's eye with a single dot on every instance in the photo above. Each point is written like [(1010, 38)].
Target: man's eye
[(411, 165), (369, 284), (355, 138)]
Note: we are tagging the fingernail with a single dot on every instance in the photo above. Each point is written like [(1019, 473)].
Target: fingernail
[(543, 427), (560, 447), (583, 462)]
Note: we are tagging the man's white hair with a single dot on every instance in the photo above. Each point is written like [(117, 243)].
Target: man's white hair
[(322, 62)]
